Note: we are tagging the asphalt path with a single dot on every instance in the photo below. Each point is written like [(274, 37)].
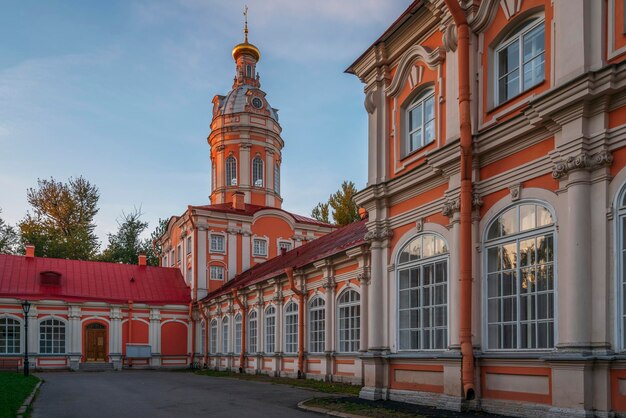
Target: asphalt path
[(163, 394)]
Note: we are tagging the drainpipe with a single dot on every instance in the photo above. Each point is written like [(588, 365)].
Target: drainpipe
[(300, 294), (205, 355), (244, 316), (130, 329), (465, 259)]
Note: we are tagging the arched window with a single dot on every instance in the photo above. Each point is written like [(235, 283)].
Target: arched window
[(10, 340), (520, 278), (621, 265), (277, 178), (317, 325), (203, 337), (52, 337), (349, 321), (237, 348), (270, 329), (213, 340), (257, 172), (420, 115), (225, 336), (291, 328), (520, 60), (231, 171), (423, 294), (252, 332)]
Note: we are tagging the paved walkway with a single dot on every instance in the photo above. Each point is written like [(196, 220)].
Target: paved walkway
[(163, 394)]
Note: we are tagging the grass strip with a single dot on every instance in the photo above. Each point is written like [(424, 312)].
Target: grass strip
[(349, 407), (321, 386), (14, 389)]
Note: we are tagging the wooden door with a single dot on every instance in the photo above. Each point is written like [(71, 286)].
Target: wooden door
[(95, 343)]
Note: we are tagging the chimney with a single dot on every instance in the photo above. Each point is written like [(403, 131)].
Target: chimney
[(238, 202), (30, 251), (362, 213), (142, 260)]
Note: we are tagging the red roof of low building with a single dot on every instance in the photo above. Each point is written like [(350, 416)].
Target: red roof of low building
[(252, 209), (343, 239), (81, 281)]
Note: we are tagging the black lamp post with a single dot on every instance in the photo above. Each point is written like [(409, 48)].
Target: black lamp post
[(26, 309)]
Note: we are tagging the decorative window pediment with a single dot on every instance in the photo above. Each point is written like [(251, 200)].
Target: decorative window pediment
[(407, 69)]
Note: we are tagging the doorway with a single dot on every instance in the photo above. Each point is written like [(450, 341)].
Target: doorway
[(95, 342)]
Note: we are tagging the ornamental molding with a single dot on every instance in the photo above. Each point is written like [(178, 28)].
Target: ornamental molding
[(451, 206), (510, 7), (378, 234), (419, 224), (516, 192), (432, 58), (369, 103), (486, 12), (220, 148), (245, 145), (582, 161), (450, 41), (329, 283), (364, 277), (155, 315)]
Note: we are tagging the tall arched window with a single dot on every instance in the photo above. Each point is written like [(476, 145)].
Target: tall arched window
[(213, 340), (349, 321), (291, 328), (423, 294), (52, 337), (277, 178), (621, 265), (270, 329), (237, 348), (10, 340), (317, 325), (203, 337), (520, 60), (231, 171), (420, 115), (257, 171), (520, 278), (225, 336), (252, 332)]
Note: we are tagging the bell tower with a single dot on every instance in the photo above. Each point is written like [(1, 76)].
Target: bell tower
[(245, 136)]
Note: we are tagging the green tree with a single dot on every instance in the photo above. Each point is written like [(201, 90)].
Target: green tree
[(9, 238), (153, 250), (126, 244), (344, 210), (62, 224)]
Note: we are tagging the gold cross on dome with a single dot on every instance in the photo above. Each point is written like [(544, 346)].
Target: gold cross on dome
[(245, 27)]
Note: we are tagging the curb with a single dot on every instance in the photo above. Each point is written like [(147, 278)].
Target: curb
[(28, 401), (325, 411)]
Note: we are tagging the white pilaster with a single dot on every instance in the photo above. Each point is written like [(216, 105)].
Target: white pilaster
[(201, 262)]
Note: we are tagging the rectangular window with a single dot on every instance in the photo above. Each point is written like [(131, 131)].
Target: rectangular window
[(171, 258), (252, 331), (52, 337), (217, 273), (179, 253), (286, 245), (237, 349), (9, 336), (421, 121), (317, 330), (188, 245), (217, 243), (164, 261), (259, 247)]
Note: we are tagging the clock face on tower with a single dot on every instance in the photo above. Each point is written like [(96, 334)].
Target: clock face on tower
[(256, 102)]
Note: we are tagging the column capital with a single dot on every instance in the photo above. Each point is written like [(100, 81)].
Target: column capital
[(582, 161)]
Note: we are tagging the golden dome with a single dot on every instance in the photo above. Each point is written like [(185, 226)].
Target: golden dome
[(246, 48)]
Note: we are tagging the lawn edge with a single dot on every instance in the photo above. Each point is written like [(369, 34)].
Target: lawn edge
[(22, 409), (326, 411)]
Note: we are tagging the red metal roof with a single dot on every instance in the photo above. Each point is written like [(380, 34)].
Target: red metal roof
[(349, 236), (252, 209), (91, 281)]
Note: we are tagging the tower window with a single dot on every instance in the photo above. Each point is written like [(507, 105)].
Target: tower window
[(277, 178), (231, 171), (249, 71), (257, 171)]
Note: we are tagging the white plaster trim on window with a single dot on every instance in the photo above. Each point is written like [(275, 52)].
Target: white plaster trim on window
[(222, 234), (267, 246), (97, 318), (432, 58), (617, 189), (280, 240), (136, 319), (428, 228), (610, 52)]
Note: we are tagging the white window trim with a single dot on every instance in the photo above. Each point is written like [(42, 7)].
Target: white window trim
[(420, 98), (337, 318), (285, 315), (66, 332), (237, 335), (309, 328), (213, 325), (620, 213), (412, 264), (217, 266), (249, 330), (519, 236), (225, 342), (508, 40), (225, 238), (20, 322), (236, 178), (258, 156), (265, 333), (285, 241), (267, 246)]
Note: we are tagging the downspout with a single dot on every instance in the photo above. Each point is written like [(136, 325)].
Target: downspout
[(130, 329), (244, 316), (205, 355), (300, 294), (465, 259)]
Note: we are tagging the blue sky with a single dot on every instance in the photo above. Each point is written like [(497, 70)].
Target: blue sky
[(120, 92)]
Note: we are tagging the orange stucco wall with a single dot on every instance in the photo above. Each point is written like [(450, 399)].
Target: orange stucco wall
[(173, 339)]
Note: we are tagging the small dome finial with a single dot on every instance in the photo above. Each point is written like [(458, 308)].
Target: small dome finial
[(245, 25)]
